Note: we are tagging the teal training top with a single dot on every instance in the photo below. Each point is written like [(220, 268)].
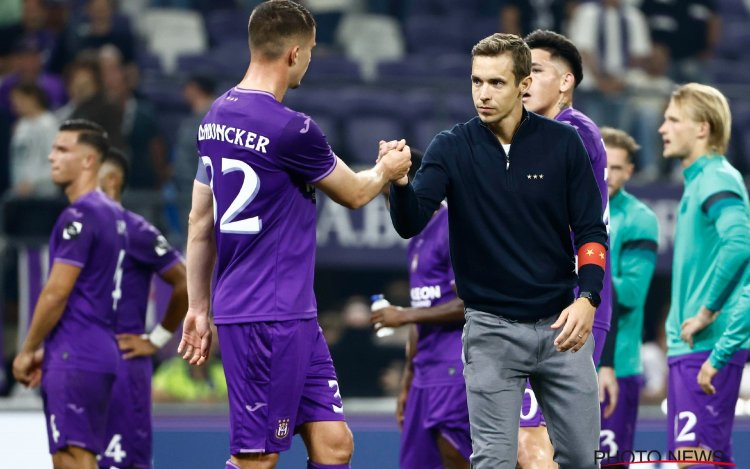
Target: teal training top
[(711, 255), (633, 239)]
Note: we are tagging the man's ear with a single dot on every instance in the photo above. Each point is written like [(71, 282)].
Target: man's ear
[(293, 55), (567, 82), (525, 85)]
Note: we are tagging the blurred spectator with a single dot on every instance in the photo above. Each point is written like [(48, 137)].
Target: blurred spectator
[(613, 38), (650, 89), (359, 360), (140, 128), (32, 25), (521, 17), (26, 67), (199, 92), (31, 142), (88, 101), (10, 12), (176, 381), (690, 29), (101, 26)]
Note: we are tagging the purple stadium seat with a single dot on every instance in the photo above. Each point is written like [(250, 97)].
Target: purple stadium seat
[(333, 67), (419, 104), (411, 69), (424, 131), (454, 66), (370, 101), (733, 9), (225, 25), (459, 106), (434, 34), (735, 72), (362, 135)]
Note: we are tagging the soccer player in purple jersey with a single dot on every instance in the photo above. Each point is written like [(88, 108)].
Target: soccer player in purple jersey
[(128, 434), (556, 71), (432, 411), (253, 220), (74, 317)]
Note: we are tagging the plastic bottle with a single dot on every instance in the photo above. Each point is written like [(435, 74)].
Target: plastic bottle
[(379, 302)]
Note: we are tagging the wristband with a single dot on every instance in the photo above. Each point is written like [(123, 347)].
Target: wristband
[(159, 336)]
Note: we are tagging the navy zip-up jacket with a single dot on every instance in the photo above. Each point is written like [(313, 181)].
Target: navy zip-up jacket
[(510, 215)]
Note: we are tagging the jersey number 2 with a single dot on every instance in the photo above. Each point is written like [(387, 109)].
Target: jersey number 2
[(248, 191)]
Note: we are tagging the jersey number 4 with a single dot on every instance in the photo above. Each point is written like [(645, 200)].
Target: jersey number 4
[(248, 191)]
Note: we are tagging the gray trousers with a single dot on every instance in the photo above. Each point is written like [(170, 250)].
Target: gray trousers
[(499, 354)]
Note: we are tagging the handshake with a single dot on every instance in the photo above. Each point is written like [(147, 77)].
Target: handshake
[(394, 158)]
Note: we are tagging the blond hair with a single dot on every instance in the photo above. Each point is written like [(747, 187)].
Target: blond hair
[(620, 139), (704, 103), (501, 43)]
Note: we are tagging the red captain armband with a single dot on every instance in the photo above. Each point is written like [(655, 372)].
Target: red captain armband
[(592, 253)]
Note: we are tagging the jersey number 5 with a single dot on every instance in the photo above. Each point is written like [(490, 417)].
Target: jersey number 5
[(248, 191)]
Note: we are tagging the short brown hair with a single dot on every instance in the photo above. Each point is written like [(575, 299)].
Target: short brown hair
[(501, 43), (274, 21), (705, 103), (620, 139)]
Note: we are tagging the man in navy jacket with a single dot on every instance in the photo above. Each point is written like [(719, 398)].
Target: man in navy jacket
[(517, 184)]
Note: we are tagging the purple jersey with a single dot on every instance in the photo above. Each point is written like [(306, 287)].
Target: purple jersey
[(261, 159), (148, 253), (592, 141), (89, 234), (431, 280)]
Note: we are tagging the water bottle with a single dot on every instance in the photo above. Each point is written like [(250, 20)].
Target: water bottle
[(379, 302)]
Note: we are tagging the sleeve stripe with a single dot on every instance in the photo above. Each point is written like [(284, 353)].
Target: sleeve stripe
[(63, 260), (645, 244), (723, 195)]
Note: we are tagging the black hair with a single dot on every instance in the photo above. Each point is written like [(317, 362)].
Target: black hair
[(205, 84), (117, 157), (89, 133), (558, 46), (33, 91)]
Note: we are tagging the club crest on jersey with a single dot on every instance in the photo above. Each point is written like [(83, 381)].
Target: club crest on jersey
[(283, 429), (161, 245), (72, 230), (535, 177)]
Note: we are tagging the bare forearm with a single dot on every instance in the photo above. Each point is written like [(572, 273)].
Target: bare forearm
[(49, 309), (452, 311), (368, 184), (176, 308)]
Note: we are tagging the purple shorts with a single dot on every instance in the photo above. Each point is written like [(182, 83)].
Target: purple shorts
[(531, 413), (431, 411), (618, 431), (279, 375), (128, 437), (76, 403), (696, 419)]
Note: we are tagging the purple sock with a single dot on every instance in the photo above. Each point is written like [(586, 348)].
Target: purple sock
[(231, 465), (315, 465)]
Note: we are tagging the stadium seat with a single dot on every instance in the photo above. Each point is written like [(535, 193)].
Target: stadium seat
[(370, 101), (733, 9), (224, 25), (434, 34), (424, 131), (171, 32), (370, 39), (460, 107), (411, 69), (333, 67), (362, 135), (315, 101)]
